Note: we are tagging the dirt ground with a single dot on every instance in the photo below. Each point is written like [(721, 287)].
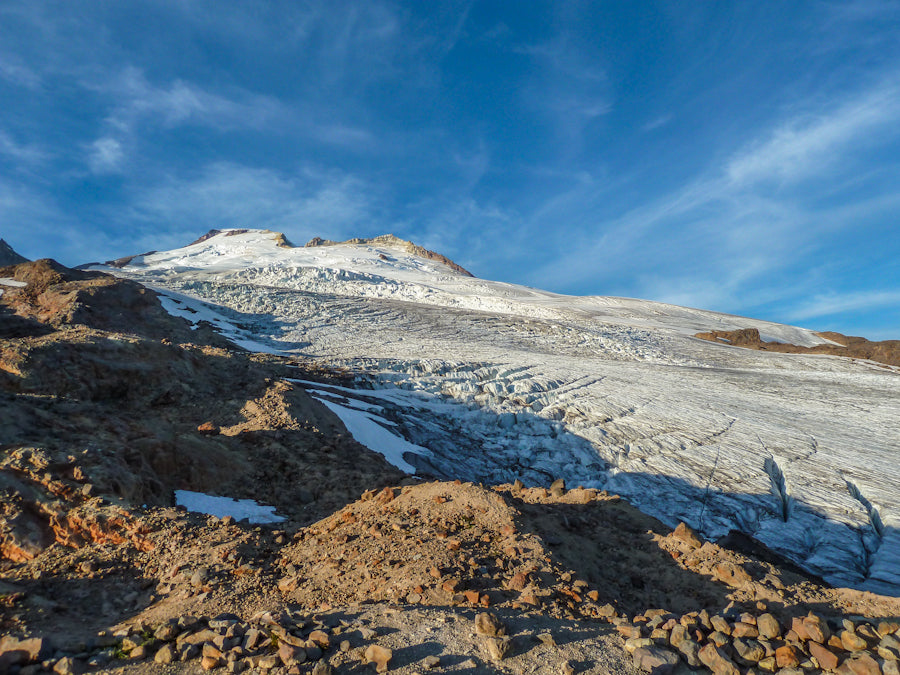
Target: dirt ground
[(108, 405)]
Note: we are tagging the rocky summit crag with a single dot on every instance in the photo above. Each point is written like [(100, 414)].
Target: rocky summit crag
[(109, 405)]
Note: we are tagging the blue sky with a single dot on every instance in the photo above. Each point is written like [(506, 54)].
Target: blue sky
[(737, 156)]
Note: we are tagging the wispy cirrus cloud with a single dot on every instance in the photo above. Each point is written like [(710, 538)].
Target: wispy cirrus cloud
[(722, 239), (832, 304), (309, 202), (811, 144), (25, 153)]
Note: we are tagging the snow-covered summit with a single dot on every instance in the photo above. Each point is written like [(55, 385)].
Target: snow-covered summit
[(389, 267), (492, 381)]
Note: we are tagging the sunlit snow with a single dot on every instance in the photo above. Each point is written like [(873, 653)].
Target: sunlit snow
[(220, 507)]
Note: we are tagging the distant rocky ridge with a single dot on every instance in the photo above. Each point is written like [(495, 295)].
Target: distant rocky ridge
[(396, 242), (886, 351), (8, 256)]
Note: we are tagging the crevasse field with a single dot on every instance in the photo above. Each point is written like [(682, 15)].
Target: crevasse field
[(467, 378)]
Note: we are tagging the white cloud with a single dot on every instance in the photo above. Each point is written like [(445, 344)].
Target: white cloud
[(828, 304), (810, 145), (24, 153), (105, 155), (725, 239), (19, 74)]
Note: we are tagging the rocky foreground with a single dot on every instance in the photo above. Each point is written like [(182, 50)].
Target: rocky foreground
[(108, 405)]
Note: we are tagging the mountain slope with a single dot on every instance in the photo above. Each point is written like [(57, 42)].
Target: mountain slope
[(8, 256), (491, 382)]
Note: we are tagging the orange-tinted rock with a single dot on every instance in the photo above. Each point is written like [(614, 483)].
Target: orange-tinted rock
[(684, 533), (827, 659), (816, 628), (717, 661), (787, 656), (863, 664)]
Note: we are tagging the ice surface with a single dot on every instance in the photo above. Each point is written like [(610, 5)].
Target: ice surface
[(498, 381), (239, 509), (7, 281)]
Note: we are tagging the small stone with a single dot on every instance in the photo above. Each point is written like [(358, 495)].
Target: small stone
[(684, 533), (320, 638), (268, 662), (322, 668), (889, 648), (798, 628), (558, 487), (236, 666), (786, 656), (826, 659), (720, 624), (731, 574), (344, 646), (607, 611), (165, 654), (208, 429), (67, 666), (719, 639), (678, 635), (198, 578), (656, 660), (166, 632), (633, 644), (748, 650), (431, 661), (380, 656), (744, 630), (868, 633), (487, 623), (690, 650), (768, 626), (291, 655), (187, 652), (717, 661), (138, 653), (888, 627), (627, 631), (768, 664), (863, 664), (367, 633), (816, 628), (852, 642), (498, 647), (211, 662), (546, 639), (891, 668), (660, 636), (567, 668)]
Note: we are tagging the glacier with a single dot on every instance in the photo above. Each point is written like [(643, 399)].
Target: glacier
[(488, 381)]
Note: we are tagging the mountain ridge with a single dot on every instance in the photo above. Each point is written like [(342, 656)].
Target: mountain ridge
[(8, 256)]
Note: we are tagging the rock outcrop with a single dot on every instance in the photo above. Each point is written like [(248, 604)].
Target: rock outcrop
[(886, 351), (390, 240)]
